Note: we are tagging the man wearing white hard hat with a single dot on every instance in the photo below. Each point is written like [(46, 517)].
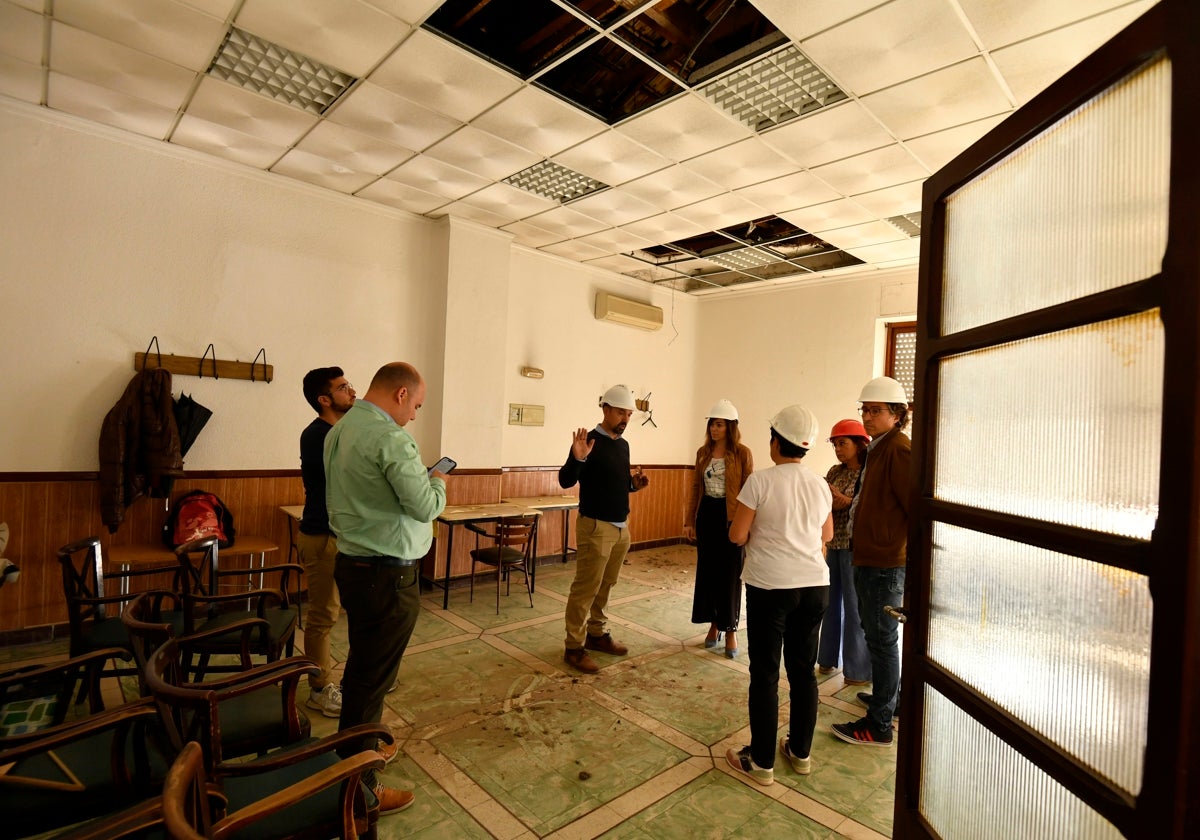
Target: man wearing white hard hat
[(599, 463), (784, 518), (879, 540)]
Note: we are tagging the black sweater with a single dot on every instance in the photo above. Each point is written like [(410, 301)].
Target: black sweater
[(312, 470), (604, 483)]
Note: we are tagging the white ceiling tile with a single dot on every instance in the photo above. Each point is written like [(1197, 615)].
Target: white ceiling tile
[(683, 128), (937, 149), (248, 112), (348, 35), (575, 249), (948, 97), (897, 41), (1002, 22), (719, 211), (216, 8), (749, 161), (539, 122), (440, 75), (411, 11), (436, 177), (618, 263), (1030, 66), (463, 210), (893, 201), (532, 236), (800, 20), (482, 153), (99, 61), (665, 227), (322, 172), (373, 110), (508, 201), (611, 158), (841, 131), (108, 106), (672, 187), (614, 206), (856, 236), (172, 31), (900, 252), (224, 142), (402, 196), (617, 240), (355, 150), (832, 214), (21, 80), (21, 33), (566, 221), (38, 6), (789, 192), (875, 170)]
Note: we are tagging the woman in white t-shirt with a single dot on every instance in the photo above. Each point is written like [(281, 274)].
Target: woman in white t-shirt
[(784, 518)]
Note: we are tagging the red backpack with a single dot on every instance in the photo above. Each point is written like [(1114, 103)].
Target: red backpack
[(197, 515)]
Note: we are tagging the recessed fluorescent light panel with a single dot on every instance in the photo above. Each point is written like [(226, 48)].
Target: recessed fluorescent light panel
[(268, 69), (557, 183), (774, 89), (908, 223)]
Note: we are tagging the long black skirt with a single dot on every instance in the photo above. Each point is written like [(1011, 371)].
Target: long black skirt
[(718, 597)]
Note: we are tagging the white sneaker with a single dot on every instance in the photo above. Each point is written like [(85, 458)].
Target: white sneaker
[(328, 700)]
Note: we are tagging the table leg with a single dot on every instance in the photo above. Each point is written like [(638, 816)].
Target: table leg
[(449, 554), (566, 532), (533, 571)]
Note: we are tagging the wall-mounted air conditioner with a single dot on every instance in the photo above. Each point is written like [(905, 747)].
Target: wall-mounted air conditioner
[(628, 312)]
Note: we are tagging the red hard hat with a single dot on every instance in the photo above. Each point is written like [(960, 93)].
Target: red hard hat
[(849, 428)]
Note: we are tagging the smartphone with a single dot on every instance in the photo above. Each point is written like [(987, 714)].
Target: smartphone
[(445, 465)]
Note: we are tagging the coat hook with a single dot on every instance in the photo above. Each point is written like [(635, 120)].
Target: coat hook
[(214, 362), (262, 353), (158, 351)]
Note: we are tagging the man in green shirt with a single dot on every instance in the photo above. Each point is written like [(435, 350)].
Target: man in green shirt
[(381, 502)]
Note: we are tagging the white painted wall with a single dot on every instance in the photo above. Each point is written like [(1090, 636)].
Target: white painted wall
[(814, 343)]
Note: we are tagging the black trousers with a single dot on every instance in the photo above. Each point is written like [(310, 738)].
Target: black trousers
[(718, 596), (787, 620), (382, 604)]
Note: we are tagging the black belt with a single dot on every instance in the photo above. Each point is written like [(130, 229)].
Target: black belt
[(374, 560)]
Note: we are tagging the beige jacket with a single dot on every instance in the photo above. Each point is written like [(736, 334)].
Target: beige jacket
[(738, 465)]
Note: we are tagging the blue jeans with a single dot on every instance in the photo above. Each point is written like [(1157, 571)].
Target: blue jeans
[(786, 620), (879, 588), (841, 631)]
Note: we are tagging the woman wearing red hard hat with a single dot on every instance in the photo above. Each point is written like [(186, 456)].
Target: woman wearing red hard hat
[(842, 636)]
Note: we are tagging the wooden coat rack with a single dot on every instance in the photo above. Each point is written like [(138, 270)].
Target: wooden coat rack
[(206, 365)]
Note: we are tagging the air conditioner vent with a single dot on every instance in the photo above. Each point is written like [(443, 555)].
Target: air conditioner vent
[(631, 313)]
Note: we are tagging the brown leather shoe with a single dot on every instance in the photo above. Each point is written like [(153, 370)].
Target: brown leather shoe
[(392, 800), (577, 658), (388, 751), (605, 644)]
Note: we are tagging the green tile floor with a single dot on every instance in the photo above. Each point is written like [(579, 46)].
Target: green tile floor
[(501, 739)]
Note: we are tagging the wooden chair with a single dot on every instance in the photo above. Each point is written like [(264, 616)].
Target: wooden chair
[(246, 713), (93, 612), (205, 607), (326, 803), (100, 770), (512, 540)]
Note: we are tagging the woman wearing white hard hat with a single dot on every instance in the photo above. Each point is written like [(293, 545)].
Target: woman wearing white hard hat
[(722, 464), (784, 518), (842, 639)]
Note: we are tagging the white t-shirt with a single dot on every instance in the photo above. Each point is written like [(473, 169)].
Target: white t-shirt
[(790, 505)]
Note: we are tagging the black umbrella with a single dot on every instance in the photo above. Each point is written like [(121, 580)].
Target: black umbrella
[(190, 418)]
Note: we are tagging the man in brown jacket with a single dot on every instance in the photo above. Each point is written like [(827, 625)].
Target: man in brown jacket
[(879, 539)]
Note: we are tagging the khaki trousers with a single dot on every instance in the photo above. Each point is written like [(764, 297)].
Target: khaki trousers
[(601, 549), (318, 555)]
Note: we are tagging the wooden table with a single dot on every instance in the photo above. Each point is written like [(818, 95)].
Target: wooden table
[(544, 503), (147, 558), (455, 515), (294, 514)]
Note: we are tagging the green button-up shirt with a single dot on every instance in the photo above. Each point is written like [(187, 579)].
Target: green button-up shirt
[(380, 498)]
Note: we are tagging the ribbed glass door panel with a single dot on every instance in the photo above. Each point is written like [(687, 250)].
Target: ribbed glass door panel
[(1038, 632), (1063, 427), (1083, 208), (976, 786)]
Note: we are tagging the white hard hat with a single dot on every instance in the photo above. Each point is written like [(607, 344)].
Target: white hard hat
[(618, 396), (797, 425), (722, 410), (883, 389)]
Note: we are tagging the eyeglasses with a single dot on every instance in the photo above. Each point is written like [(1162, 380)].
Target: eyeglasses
[(874, 410), (345, 387)]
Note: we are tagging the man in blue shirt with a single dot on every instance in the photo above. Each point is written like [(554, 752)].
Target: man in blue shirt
[(381, 503), (599, 463)]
